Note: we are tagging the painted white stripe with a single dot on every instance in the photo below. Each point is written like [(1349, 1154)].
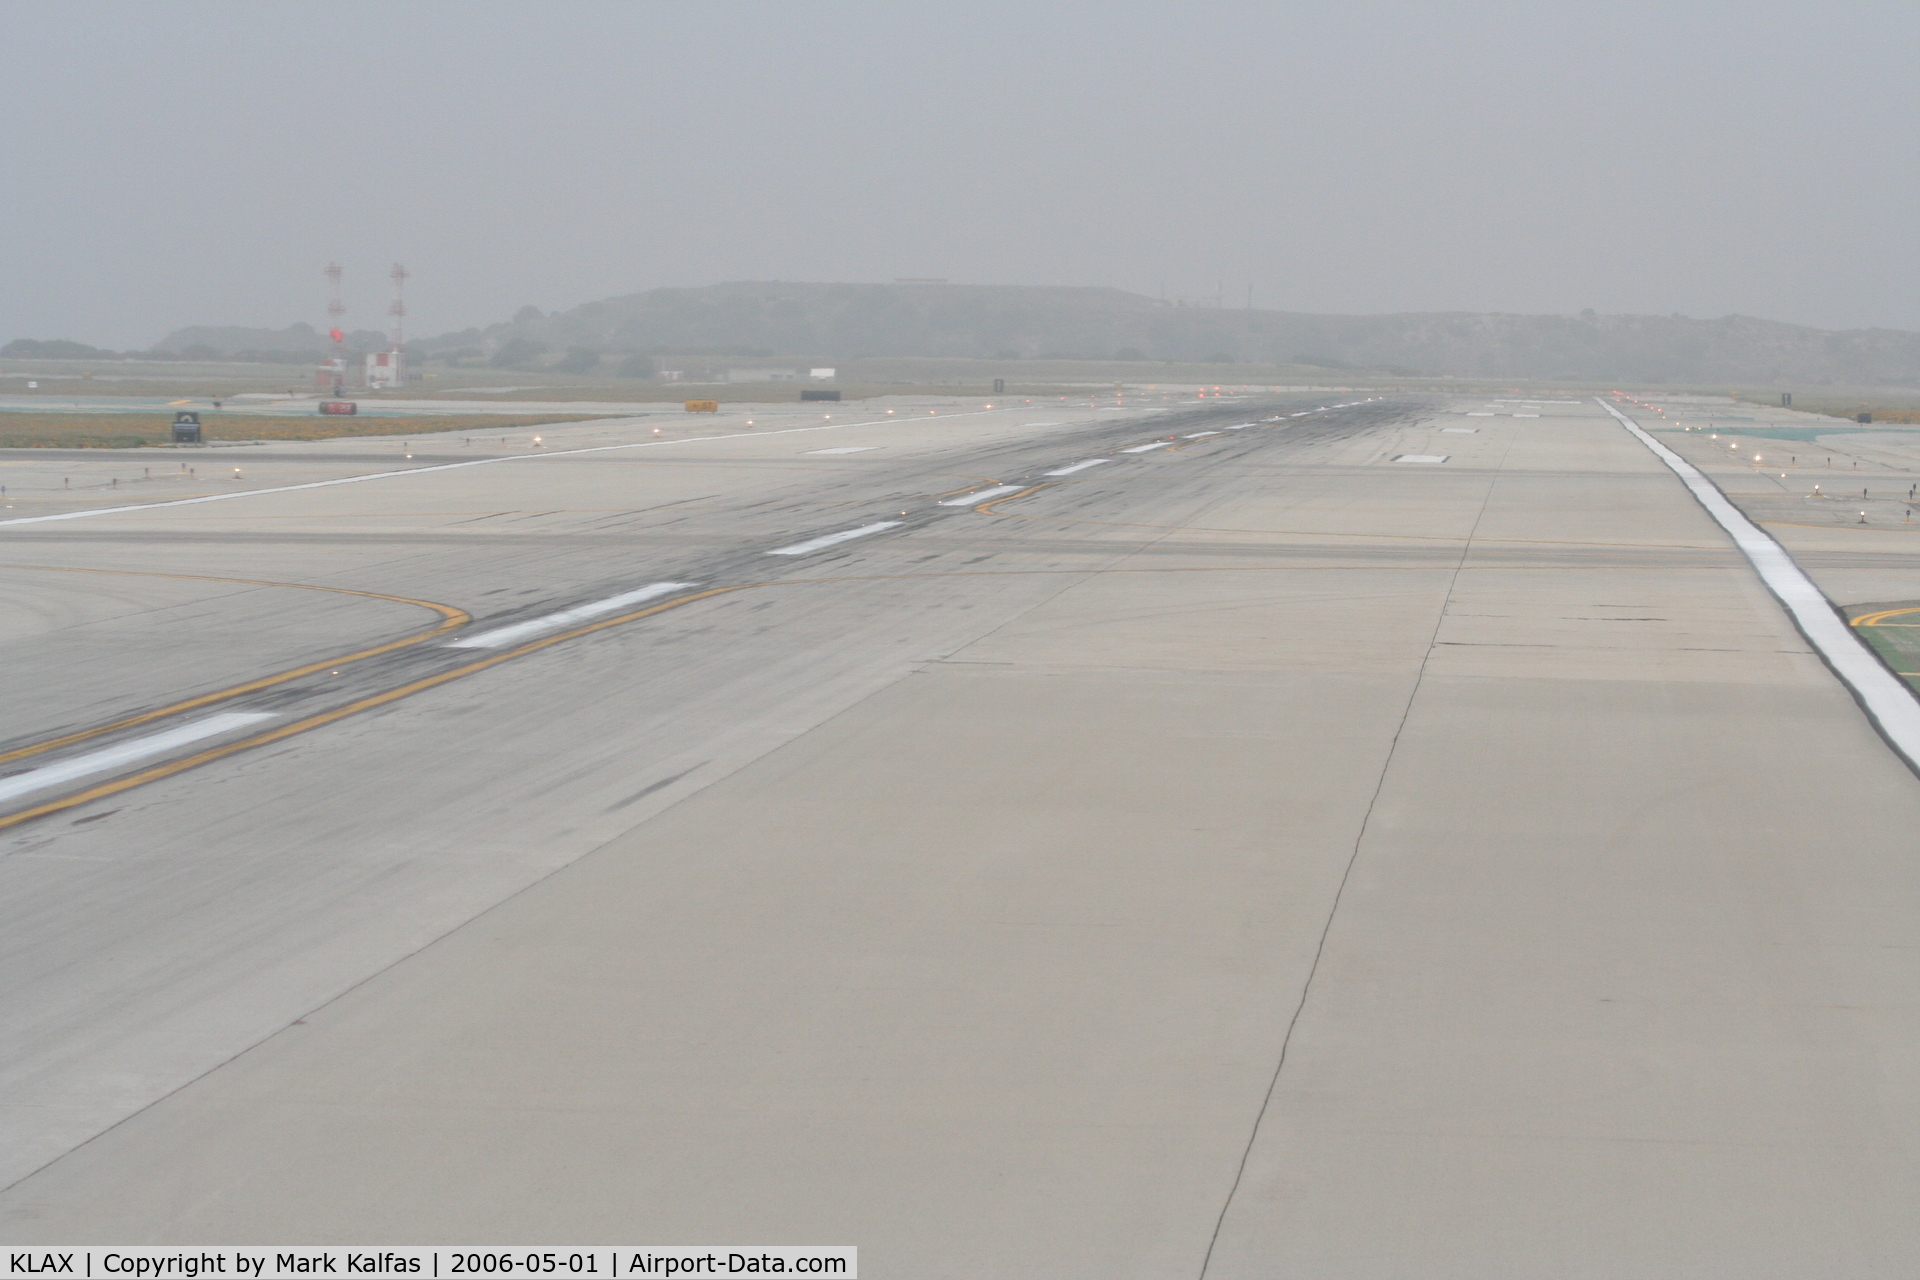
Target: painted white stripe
[(1480, 413), (815, 544), (456, 466), (1888, 701), (51, 775), (1078, 466), (1422, 457), (1526, 415), (1202, 435), (1460, 431), (856, 448), (1145, 448), (567, 617), (1043, 424), (984, 495)]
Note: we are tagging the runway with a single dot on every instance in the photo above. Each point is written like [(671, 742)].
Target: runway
[(1356, 837)]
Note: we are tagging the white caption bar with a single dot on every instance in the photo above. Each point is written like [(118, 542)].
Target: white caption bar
[(1886, 698), (126, 753), (567, 617), (817, 544), (576, 1262)]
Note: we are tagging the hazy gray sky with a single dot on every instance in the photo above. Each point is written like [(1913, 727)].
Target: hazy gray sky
[(179, 163)]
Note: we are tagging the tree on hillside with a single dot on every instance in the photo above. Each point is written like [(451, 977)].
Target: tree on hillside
[(515, 352), (50, 349)]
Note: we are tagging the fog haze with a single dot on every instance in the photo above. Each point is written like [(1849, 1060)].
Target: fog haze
[(200, 164)]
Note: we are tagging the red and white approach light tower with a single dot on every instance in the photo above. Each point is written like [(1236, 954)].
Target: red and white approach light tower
[(332, 374), (389, 368)]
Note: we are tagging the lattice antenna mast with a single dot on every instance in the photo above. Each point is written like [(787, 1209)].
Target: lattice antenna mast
[(334, 370), (398, 307), (335, 307)]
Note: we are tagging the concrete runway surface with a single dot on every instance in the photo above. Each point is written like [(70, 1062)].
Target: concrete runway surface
[(1266, 854)]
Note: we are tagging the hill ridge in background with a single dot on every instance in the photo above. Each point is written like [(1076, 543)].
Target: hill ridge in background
[(846, 321), (299, 338), (827, 322)]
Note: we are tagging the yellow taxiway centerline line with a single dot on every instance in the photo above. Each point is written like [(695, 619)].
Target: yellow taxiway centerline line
[(199, 758), (987, 508), (1873, 619), (452, 619), (159, 772), (978, 481)]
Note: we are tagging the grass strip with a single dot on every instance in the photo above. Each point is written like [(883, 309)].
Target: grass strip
[(135, 430)]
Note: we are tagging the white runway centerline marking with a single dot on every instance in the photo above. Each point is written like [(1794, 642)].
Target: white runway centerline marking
[(984, 495), (126, 753), (1526, 415), (1144, 448), (1202, 435), (1422, 457), (1078, 466), (1480, 413), (566, 617), (816, 544), (852, 448)]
